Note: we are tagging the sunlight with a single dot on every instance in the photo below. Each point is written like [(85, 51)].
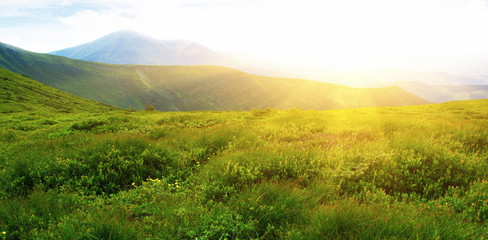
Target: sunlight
[(349, 35), (333, 34), (373, 34), (243, 119)]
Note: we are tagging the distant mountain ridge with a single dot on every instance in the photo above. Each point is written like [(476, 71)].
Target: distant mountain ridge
[(189, 88), (442, 93), (129, 47)]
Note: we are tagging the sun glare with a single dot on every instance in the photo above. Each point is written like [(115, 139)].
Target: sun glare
[(243, 119), (347, 35)]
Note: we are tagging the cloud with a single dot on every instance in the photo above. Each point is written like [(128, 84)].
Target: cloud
[(98, 19), (10, 13), (22, 4), (28, 7), (19, 8), (65, 3)]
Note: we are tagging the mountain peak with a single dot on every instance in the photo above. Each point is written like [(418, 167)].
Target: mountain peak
[(127, 33), (130, 47)]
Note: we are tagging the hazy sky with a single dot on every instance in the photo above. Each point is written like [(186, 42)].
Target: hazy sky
[(448, 35)]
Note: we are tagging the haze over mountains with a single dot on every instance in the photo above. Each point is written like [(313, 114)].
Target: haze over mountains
[(129, 47), (176, 88), (442, 93)]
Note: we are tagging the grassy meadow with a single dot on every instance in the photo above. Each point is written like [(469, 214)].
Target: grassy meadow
[(417, 172)]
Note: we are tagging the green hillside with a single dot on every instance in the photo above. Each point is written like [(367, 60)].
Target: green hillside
[(415, 172), (21, 94), (187, 88)]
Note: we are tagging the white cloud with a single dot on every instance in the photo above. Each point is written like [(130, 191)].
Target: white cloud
[(106, 19), (8, 13), (65, 3)]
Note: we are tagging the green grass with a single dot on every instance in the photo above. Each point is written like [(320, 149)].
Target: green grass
[(21, 94), (191, 88), (96, 172), (415, 172)]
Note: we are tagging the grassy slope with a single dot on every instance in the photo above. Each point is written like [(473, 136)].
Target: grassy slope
[(21, 94), (416, 172), (192, 87)]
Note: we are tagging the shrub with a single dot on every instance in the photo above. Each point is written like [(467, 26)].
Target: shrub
[(262, 112), (106, 168), (87, 125), (418, 167), (272, 207), (473, 203), (240, 169), (149, 108)]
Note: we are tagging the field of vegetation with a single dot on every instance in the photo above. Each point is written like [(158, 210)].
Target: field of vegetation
[(416, 172)]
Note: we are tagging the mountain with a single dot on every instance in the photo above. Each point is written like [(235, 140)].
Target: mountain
[(129, 47), (442, 93), (19, 93), (187, 88), (368, 78), (432, 78)]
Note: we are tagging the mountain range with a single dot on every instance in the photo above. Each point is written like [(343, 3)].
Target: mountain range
[(442, 93), (188, 88), (129, 47)]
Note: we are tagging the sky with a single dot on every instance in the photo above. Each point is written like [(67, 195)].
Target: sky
[(346, 35)]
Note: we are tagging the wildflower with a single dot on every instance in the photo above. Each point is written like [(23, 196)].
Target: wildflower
[(4, 232)]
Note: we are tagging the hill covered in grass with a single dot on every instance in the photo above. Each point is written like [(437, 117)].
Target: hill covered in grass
[(21, 94), (415, 172), (187, 88)]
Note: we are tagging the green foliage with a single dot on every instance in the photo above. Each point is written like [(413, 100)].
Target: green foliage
[(21, 94), (87, 125), (149, 108), (350, 219), (415, 172), (262, 112), (419, 167), (22, 217), (246, 168), (106, 168), (473, 203), (272, 208)]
